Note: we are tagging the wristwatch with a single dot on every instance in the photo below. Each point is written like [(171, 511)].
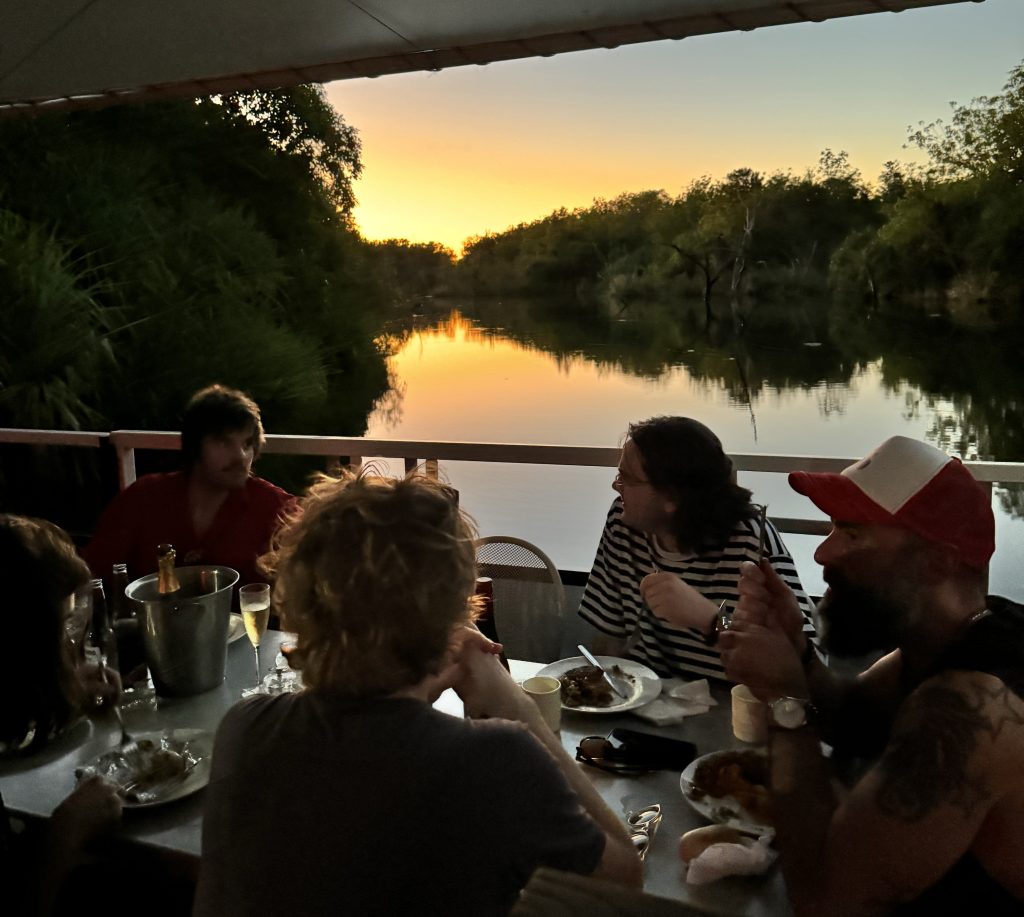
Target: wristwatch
[(790, 712), (722, 621)]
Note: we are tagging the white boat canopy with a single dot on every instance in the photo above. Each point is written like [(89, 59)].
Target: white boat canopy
[(83, 53)]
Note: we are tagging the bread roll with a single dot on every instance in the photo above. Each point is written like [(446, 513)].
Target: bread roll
[(695, 842)]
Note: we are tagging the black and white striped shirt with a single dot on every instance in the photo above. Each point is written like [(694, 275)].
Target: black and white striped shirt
[(612, 601)]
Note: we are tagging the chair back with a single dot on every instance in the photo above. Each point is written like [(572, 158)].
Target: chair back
[(529, 599)]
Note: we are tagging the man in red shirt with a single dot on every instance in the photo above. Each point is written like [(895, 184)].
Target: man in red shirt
[(214, 511)]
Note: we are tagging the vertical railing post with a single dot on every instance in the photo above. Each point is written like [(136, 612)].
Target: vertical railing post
[(125, 466)]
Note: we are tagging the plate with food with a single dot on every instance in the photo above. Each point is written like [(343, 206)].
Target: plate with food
[(585, 691), (236, 628), (730, 788), (156, 767)]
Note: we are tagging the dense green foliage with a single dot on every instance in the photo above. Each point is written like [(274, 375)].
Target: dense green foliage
[(146, 251), (744, 234), (947, 235), (412, 270)]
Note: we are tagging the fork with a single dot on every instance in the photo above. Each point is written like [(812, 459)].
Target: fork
[(126, 740)]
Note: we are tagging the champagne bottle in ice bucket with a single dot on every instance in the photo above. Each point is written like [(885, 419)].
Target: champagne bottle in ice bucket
[(167, 579)]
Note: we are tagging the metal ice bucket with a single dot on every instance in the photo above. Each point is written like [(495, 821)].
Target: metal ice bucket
[(185, 635)]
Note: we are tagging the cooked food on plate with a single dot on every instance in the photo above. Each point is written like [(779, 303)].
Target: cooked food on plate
[(141, 770), (739, 775), (584, 686)]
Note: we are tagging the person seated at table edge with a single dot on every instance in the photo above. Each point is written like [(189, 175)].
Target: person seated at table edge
[(48, 690), (356, 790), (671, 550), (936, 823), (40, 572), (214, 511)]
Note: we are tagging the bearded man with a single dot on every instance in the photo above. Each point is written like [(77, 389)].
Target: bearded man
[(935, 825)]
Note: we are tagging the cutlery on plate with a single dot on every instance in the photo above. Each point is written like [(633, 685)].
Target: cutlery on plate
[(619, 685)]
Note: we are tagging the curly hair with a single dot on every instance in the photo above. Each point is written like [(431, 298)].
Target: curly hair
[(40, 569), (218, 409), (373, 576), (681, 456)]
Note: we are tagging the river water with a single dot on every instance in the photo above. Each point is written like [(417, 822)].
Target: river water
[(487, 374)]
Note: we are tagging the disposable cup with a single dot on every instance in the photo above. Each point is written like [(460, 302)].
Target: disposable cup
[(749, 716), (546, 693)]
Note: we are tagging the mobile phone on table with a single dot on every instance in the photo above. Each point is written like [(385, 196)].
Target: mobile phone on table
[(654, 750)]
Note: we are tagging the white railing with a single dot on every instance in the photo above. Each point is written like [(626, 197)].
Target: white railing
[(346, 450)]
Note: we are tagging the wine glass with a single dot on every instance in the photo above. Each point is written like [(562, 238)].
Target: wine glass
[(254, 603)]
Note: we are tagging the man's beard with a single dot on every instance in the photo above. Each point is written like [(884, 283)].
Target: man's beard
[(856, 620)]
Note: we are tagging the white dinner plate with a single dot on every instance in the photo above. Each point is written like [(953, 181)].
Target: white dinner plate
[(198, 742), (236, 628), (721, 810), (645, 682)]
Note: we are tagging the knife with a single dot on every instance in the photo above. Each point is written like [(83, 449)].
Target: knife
[(604, 672)]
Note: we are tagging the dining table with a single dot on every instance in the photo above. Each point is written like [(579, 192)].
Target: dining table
[(664, 872), (33, 786)]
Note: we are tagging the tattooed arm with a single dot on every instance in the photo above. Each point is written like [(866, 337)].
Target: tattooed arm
[(956, 750)]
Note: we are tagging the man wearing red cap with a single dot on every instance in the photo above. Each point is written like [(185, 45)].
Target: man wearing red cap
[(935, 825)]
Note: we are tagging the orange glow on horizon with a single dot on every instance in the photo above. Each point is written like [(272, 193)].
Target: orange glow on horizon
[(472, 150)]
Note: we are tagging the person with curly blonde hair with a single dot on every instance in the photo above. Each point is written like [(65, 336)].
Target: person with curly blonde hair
[(357, 777)]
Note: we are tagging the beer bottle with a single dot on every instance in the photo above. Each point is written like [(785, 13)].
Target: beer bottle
[(485, 622), (100, 635), (130, 654), (118, 601), (167, 579)]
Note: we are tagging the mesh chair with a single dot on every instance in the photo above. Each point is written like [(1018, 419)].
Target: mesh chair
[(529, 599)]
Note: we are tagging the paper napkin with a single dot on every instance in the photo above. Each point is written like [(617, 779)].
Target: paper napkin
[(720, 860), (678, 700)]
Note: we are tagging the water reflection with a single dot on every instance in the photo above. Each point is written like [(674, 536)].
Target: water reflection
[(803, 378), (966, 385)]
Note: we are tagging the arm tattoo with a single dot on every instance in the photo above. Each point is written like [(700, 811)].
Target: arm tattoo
[(926, 763)]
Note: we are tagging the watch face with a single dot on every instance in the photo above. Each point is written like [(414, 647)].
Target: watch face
[(789, 712)]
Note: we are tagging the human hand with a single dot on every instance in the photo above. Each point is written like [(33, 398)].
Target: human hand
[(464, 639), (482, 682), (766, 600), (763, 659), (93, 807), (100, 684), (677, 602)]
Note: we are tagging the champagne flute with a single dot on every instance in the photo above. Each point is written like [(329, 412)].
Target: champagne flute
[(254, 603)]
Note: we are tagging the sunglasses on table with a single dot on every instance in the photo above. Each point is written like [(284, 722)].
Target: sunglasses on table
[(643, 825), (631, 752), (604, 754)]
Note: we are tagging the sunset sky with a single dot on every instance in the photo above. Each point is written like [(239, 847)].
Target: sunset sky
[(476, 149)]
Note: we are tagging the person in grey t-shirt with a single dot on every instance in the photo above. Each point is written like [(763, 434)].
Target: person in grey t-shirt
[(357, 796)]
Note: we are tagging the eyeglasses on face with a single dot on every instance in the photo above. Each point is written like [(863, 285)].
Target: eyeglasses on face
[(628, 480)]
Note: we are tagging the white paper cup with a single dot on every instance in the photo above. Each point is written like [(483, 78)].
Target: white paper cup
[(546, 693), (749, 716)]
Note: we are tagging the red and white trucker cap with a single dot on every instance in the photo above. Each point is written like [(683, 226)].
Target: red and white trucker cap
[(908, 483)]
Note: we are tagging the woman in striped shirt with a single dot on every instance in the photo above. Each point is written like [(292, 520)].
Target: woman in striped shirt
[(672, 547)]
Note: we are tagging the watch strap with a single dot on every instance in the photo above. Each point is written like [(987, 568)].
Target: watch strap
[(721, 622)]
